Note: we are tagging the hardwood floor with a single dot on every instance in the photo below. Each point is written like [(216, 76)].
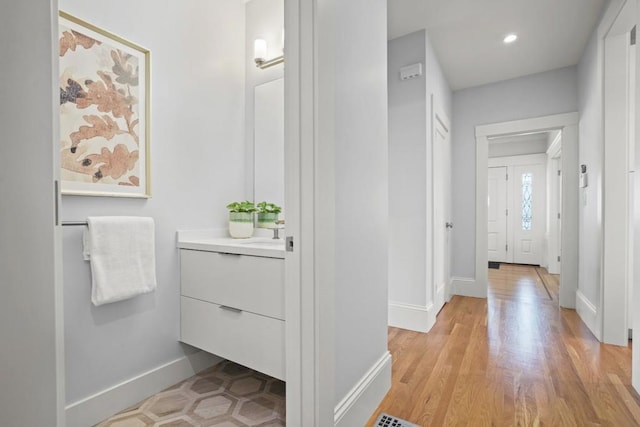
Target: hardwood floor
[(515, 358)]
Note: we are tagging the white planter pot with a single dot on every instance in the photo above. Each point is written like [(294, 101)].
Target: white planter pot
[(240, 225)]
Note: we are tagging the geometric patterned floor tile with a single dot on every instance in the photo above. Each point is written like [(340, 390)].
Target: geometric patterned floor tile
[(246, 386), (214, 406), (226, 395)]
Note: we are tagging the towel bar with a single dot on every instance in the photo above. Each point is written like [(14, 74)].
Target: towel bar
[(74, 223)]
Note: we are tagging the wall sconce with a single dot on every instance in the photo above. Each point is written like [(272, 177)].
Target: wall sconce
[(260, 55)]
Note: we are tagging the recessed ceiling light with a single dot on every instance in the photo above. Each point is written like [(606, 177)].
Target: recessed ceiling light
[(510, 38)]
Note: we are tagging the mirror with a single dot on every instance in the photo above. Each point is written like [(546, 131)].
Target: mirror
[(268, 140)]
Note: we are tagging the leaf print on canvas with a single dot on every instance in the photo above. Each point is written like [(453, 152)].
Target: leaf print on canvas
[(103, 111)]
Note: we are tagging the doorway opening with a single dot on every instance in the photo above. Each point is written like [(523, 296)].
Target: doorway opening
[(566, 127), (523, 210)]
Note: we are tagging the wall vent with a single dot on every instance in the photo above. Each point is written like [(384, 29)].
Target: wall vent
[(385, 420)]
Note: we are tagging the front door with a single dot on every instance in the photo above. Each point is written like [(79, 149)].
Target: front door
[(516, 213), (529, 217)]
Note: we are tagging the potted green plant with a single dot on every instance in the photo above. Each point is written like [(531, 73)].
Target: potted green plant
[(268, 214), (241, 219)]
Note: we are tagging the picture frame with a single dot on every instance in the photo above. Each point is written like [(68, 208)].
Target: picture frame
[(104, 112)]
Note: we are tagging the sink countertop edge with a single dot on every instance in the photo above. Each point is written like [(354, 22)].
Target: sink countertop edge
[(229, 245)]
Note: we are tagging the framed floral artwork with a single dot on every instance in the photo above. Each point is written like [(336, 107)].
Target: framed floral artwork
[(104, 112)]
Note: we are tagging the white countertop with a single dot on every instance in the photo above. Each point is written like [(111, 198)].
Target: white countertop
[(211, 241)]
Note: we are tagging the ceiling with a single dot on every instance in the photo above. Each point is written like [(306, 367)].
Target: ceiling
[(467, 35)]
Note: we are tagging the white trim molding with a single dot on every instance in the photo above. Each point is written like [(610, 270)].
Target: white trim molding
[(363, 399), (588, 312), (467, 287), (412, 317), (100, 406)]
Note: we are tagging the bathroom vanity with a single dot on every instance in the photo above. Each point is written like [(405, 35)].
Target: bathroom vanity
[(232, 299)]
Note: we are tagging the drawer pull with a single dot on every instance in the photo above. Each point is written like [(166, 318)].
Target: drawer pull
[(228, 253), (226, 307)]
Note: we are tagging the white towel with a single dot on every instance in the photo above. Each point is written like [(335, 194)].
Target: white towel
[(122, 254)]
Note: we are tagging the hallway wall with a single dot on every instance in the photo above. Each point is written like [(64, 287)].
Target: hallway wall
[(407, 173), (551, 92), (410, 178), (591, 130), (361, 180)]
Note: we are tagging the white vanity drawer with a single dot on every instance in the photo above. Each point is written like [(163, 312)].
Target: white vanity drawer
[(254, 284), (246, 338)]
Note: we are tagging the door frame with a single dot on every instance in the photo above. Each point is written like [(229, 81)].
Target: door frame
[(309, 290), (635, 356), (616, 220), (31, 244), (568, 124), (554, 207)]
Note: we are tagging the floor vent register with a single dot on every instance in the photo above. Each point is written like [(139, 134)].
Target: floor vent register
[(385, 420)]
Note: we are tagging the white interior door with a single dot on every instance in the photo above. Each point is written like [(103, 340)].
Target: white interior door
[(528, 203), (497, 214), (442, 207)]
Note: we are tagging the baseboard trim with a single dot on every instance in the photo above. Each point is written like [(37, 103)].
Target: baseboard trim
[(100, 406), (467, 287), (361, 402), (412, 317), (588, 313)]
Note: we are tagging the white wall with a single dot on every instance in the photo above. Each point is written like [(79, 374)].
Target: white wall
[(591, 131), (542, 94), (407, 173), (410, 176), (30, 371), (361, 192), (197, 166), (519, 148)]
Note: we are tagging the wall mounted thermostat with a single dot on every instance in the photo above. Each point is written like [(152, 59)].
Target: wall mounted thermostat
[(584, 176), (411, 71)]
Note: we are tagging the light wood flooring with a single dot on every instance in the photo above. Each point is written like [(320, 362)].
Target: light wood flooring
[(514, 359)]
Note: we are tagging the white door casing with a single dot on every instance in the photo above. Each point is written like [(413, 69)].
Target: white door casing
[(635, 296), (632, 174), (497, 214), (616, 241), (554, 205), (31, 308), (568, 124), (621, 208), (441, 206), (556, 216)]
